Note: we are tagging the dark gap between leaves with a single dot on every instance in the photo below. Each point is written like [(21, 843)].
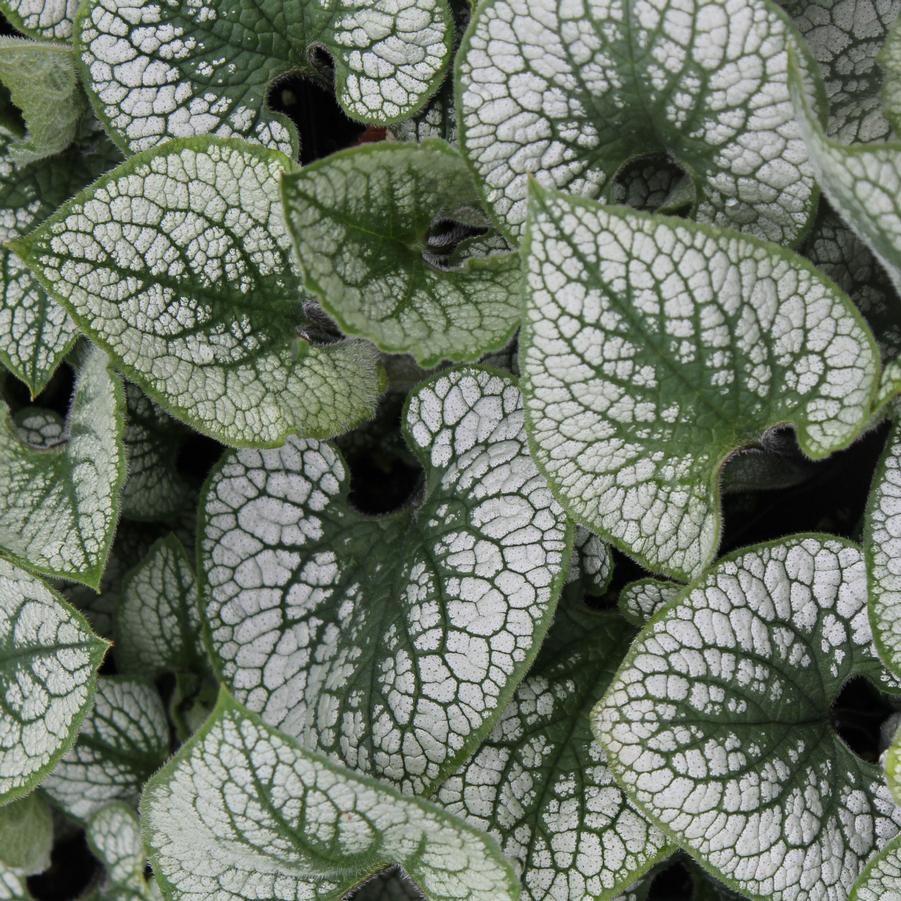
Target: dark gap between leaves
[(72, 868), (673, 883), (858, 714), (832, 499), (323, 126), (197, 455), (57, 396)]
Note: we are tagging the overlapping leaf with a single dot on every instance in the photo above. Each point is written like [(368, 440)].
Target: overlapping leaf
[(390, 643), (179, 264), (540, 784), (881, 878), (48, 659), (862, 182), (123, 740), (569, 93), (50, 20), (717, 724), (26, 835), (35, 332), (640, 600), (243, 812), (157, 72), (653, 347), (61, 504), (114, 836), (890, 60), (362, 226)]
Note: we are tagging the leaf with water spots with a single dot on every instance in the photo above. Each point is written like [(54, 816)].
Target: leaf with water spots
[(123, 740), (189, 67), (61, 503), (363, 223), (114, 836), (717, 724), (570, 93), (178, 263), (48, 663), (244, 812), (653, 347), (861, 181), (882, 545), (390, 643), (541, 785)]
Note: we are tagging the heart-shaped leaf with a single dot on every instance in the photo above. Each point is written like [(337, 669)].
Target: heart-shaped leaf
[(717, 724), (653, 347), (114, 836), (391, 642), (48, 663), (243, 805), (570, 93), (157, 622), (50, 20), (36, 332), (178, 263), (43, 84), (26, 835), (158, 72), (362, 226), (845, 38), (123, 740), (61, 504), (882, 545), (881, 877), (540, 784), (862, 182)]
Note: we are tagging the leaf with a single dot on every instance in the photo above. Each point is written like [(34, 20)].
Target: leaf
[(13, 887), (717, 723), (390, 643), (114, 836), (26, 835), (62, 504), (123, 740), (591, 567), (158, 622), (890, 61), (48, 659), (862, 182), (882, 547), (154, 489), (652, 347), (49, 20), (43, 83), (242, 805), (881, 877), (40, 428), (640, 600), (361, 221), (571, 93), (35, 332), (845, 37), (156, 73), (540, 785), (179, 265)]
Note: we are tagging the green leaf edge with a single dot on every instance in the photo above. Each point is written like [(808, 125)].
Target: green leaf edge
[(474, 739), (536, 196), (798, 45), (293, 132), (22, 247), (224, 703), (886, 655), (93, 576), (630, 655), (99, 647), (498, 263), (890, 847)]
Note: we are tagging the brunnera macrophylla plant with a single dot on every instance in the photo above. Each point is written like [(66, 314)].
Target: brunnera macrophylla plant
[(450, 451)]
